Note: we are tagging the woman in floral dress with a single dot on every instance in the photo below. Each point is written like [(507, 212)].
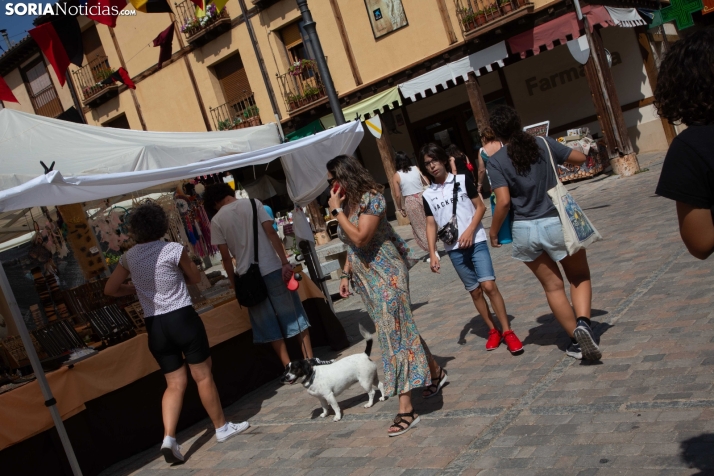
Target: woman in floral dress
[(378, 266)]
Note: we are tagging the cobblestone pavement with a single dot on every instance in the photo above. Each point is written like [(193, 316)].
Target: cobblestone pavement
[(647, 408)]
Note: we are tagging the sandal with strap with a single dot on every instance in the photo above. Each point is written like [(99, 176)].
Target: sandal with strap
[(399, 423), (436, 384)]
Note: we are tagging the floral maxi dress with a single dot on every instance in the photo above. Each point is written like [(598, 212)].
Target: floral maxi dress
[(381, 276)]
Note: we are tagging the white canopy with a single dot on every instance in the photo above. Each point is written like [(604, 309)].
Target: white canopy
[(303, 160), (79, 149)]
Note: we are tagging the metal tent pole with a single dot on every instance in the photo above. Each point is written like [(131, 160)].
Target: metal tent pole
[(50, 402)]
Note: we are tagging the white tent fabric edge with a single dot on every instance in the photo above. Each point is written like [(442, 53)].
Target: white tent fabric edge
[(310, 152)]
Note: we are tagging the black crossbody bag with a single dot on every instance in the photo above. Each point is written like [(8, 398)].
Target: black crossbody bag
[(449, 233), (250, 287)]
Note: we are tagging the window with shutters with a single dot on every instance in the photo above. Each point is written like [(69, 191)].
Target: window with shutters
[(233, 79), (43, 94), (294, 44), (119, 122)]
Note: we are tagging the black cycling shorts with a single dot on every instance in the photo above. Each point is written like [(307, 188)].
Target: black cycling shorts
[(177, 334)]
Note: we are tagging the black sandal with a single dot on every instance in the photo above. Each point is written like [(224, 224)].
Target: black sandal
[(436, 384), (399, 422)]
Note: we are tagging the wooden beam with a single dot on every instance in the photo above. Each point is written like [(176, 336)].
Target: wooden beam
[(386, 152), (346, 42), (478, 104), (446, 20), (651, 68), (123, 65)]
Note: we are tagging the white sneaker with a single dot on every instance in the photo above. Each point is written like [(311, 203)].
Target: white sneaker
[(171, 451), (230, 430)]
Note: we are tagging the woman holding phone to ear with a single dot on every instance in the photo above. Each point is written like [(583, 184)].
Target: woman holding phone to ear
[(378, 265)]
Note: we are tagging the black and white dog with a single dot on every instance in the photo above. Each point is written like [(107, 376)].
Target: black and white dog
[(327, 382)]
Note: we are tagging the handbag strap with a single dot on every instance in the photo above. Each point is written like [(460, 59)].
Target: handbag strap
[(454, 199), (255, 230), (551, 158)]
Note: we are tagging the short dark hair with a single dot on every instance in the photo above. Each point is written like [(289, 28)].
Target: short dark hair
[(148, 222), (453, 151), (402, 162), (435, 152), (215, 193), (684, 90)]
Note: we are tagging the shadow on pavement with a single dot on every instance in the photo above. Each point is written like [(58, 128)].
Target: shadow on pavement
[(549, 331), (698, 453), (477, 327)]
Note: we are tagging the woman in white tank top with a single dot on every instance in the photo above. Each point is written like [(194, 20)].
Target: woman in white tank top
[(408, 186)]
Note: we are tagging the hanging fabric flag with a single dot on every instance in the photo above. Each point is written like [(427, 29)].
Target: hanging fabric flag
[(61, 42), (200, 4), (122, 76), (6, 93), (219, 4), (152, 6), (165, 41), (105, 11)]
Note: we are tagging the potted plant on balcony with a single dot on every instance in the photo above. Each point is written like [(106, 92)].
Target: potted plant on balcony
[(294, 101), (298, 67), (480, 17), (250, 116), (225, 125), (492, 12), (469, 21), (312, 93), (191, 27), (506, 6)]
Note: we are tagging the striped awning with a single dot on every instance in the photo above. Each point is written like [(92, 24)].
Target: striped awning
[(387, 99), (485, 58)]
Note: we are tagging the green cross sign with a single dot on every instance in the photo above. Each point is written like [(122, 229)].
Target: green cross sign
[(679, 11)]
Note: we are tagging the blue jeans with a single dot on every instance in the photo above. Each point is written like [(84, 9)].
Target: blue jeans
[(281, 315), (473, 265)]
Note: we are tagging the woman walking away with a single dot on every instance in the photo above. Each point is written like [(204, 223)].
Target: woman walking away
[(469, 254), (377, 266), (460, 164), (685, 94), (410, 184), (521, 175), (160, 272)]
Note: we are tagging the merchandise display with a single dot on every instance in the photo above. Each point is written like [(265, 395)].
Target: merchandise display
[(582, 141)]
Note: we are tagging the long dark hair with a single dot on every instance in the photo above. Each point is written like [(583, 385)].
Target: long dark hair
[(354, 178), (435, 152), (402, 162), (522, 147), (684, 90)]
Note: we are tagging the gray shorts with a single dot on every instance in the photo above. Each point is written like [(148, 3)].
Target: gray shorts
[(281, 315), (533, 237)]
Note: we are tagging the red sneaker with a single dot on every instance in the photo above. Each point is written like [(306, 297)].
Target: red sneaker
[(512, 342), (494, 339)]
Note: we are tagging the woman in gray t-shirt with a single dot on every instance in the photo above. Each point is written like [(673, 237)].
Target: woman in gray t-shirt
[(521, 175)]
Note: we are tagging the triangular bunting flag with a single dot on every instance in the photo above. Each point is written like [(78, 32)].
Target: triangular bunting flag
[(6, 93), (219, 5), (165, 41), (105, 11), (201, 4), (61, 42), (152, 6), (122, 76)]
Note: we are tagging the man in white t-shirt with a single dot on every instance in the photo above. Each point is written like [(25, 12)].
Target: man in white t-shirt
[(281, 315), (469, 254)]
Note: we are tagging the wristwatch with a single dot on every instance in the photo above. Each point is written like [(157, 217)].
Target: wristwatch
[(336, 212)]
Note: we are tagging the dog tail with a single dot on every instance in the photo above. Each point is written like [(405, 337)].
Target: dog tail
[(368, 337)]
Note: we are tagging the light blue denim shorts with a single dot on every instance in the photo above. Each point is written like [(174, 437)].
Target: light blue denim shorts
[(281, 315), (473, 265), (533, 237)]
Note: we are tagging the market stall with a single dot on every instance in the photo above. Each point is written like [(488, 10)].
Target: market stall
[(139, 161)]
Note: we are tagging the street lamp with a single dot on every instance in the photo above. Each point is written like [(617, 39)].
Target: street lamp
[(311, 29)]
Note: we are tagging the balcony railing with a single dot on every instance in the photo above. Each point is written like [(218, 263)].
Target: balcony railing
[(301, 85), (236, 114), (201, 30), (89, 79), (46, 103), (474, 14)]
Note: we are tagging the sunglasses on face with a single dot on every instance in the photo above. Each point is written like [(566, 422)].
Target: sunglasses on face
[(331, 181), (429, 164)]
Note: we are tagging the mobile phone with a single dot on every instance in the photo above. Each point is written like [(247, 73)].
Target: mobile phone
[(337, 187)]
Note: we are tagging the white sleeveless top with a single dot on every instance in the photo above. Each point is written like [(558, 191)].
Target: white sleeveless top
[(155, 272), (410, 182)]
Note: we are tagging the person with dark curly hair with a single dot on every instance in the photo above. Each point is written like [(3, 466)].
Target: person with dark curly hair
[(160, 272), (685, 94), (521, 175), (378, 262)]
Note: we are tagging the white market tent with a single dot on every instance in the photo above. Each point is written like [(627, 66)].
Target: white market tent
[(95, 163)]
